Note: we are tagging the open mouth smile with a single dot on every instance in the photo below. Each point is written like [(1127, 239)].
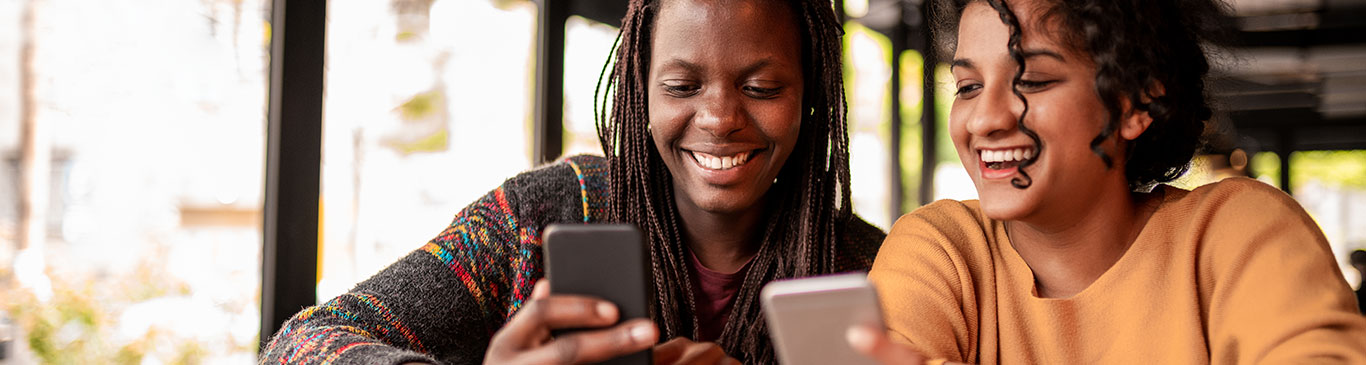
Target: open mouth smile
[(721, 163), (1001, 163)]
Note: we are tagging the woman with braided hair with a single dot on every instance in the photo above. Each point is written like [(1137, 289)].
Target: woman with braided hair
[(723, 124), (1068, 116)]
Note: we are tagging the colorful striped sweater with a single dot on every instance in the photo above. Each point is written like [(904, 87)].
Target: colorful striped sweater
[(443, 302)]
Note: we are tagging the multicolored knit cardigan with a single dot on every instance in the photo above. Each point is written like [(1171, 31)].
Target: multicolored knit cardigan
[(443, 302)]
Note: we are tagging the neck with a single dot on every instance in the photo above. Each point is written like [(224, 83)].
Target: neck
[(1070, 250), (723, 242)]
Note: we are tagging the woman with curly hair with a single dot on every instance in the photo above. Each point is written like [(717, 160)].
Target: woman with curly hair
[(1068, 117), (725, 144)]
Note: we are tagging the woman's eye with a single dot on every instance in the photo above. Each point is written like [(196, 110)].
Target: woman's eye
[(681, 90), (967, 90), (1033, 85), (762, 92)]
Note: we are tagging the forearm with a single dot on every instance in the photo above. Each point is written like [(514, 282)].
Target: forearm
[(414, 310)]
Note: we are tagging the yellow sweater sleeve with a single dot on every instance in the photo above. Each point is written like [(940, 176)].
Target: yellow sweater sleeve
[(1273, 292), (928, 292)]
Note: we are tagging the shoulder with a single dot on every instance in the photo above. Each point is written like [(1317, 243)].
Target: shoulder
[(1237, 220), (1233, 203), (560, 191), (946, 232), (946, 218)]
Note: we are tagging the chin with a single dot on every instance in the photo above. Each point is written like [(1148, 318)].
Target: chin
[(1006, 205), (723, 202)]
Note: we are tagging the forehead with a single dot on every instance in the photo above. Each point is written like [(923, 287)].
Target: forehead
[(982, 32), (737, 25)]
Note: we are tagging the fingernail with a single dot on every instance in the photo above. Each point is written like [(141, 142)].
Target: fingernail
[(642, 333), (606, 310), (858, 337)]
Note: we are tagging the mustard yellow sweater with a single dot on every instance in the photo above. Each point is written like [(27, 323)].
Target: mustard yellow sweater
[(1232, 272)]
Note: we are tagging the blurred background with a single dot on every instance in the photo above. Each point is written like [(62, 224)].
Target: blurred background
[(133, 144)]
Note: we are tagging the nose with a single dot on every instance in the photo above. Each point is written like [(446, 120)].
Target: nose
[(720, 113), (998, 112)]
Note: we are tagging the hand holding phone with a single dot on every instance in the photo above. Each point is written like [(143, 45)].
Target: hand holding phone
[(606, 261), (808, 318), (526, 339)]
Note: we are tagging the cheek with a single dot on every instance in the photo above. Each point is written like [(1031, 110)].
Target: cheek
[(782, 123), (665, 122), (958, 131)]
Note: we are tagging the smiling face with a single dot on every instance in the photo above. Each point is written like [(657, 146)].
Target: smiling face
[(1064, 110), (725, 97)]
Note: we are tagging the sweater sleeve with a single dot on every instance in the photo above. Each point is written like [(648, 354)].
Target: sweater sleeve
[(925, 285), (439, 304), (1275, 292)]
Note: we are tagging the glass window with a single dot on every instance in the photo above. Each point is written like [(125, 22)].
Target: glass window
[(131, 141), (867, 77), (587, 45), (428, 107)]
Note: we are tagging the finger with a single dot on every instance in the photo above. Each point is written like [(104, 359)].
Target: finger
[(597, 345), (874, 343), (541, 289), (702, 353), (533, 323), (669, 352)]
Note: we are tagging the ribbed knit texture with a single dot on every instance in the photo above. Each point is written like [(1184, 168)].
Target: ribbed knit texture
[(1230, 273), (443, 302)]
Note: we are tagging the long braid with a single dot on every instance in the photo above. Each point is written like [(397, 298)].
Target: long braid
[(805, 209)]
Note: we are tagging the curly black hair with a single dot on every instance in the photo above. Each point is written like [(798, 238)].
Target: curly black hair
[(808, 206), (1150, 52)]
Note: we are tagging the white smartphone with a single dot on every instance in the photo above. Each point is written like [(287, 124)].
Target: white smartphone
[(808, 317)]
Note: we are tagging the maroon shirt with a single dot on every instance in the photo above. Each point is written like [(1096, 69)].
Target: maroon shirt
[(715, 296)]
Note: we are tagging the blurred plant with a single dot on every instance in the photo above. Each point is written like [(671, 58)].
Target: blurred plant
[(1335, 168), (77, 326)]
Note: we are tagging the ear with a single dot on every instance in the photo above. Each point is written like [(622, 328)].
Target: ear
[(1137, 121), (1133, 125)]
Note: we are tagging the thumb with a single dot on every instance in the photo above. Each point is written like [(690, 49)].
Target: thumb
[(875, 343)]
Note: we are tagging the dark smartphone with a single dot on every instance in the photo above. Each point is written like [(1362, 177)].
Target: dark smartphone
[(608, 261)]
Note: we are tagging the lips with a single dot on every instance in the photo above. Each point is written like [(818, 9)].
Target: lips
[(714, 162), (1005, 158), (1000, 163), (725, 166)]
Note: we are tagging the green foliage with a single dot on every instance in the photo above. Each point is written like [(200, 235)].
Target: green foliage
[(431, 143), (76, 325), (421, 105), (1334, 168)]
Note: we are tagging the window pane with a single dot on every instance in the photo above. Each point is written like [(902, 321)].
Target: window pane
[(145, 174), (587, 45), (428, 107), (867, 77)]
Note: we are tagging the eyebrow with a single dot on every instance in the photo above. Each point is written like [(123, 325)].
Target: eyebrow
[(1028, 53), (693, 67), (1039, 52), (689, 66), (961, 62)]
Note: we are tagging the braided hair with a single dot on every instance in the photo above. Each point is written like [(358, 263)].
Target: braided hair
[(1147, 52), (807, 207)]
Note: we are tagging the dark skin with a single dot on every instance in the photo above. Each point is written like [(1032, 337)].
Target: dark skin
[(725, 81), (724, 100)]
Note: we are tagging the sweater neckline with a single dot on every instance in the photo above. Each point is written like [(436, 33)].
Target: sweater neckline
[(1022, 276)]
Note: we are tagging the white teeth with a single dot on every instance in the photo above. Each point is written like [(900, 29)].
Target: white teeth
[(1017, 154), (720, 163)]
